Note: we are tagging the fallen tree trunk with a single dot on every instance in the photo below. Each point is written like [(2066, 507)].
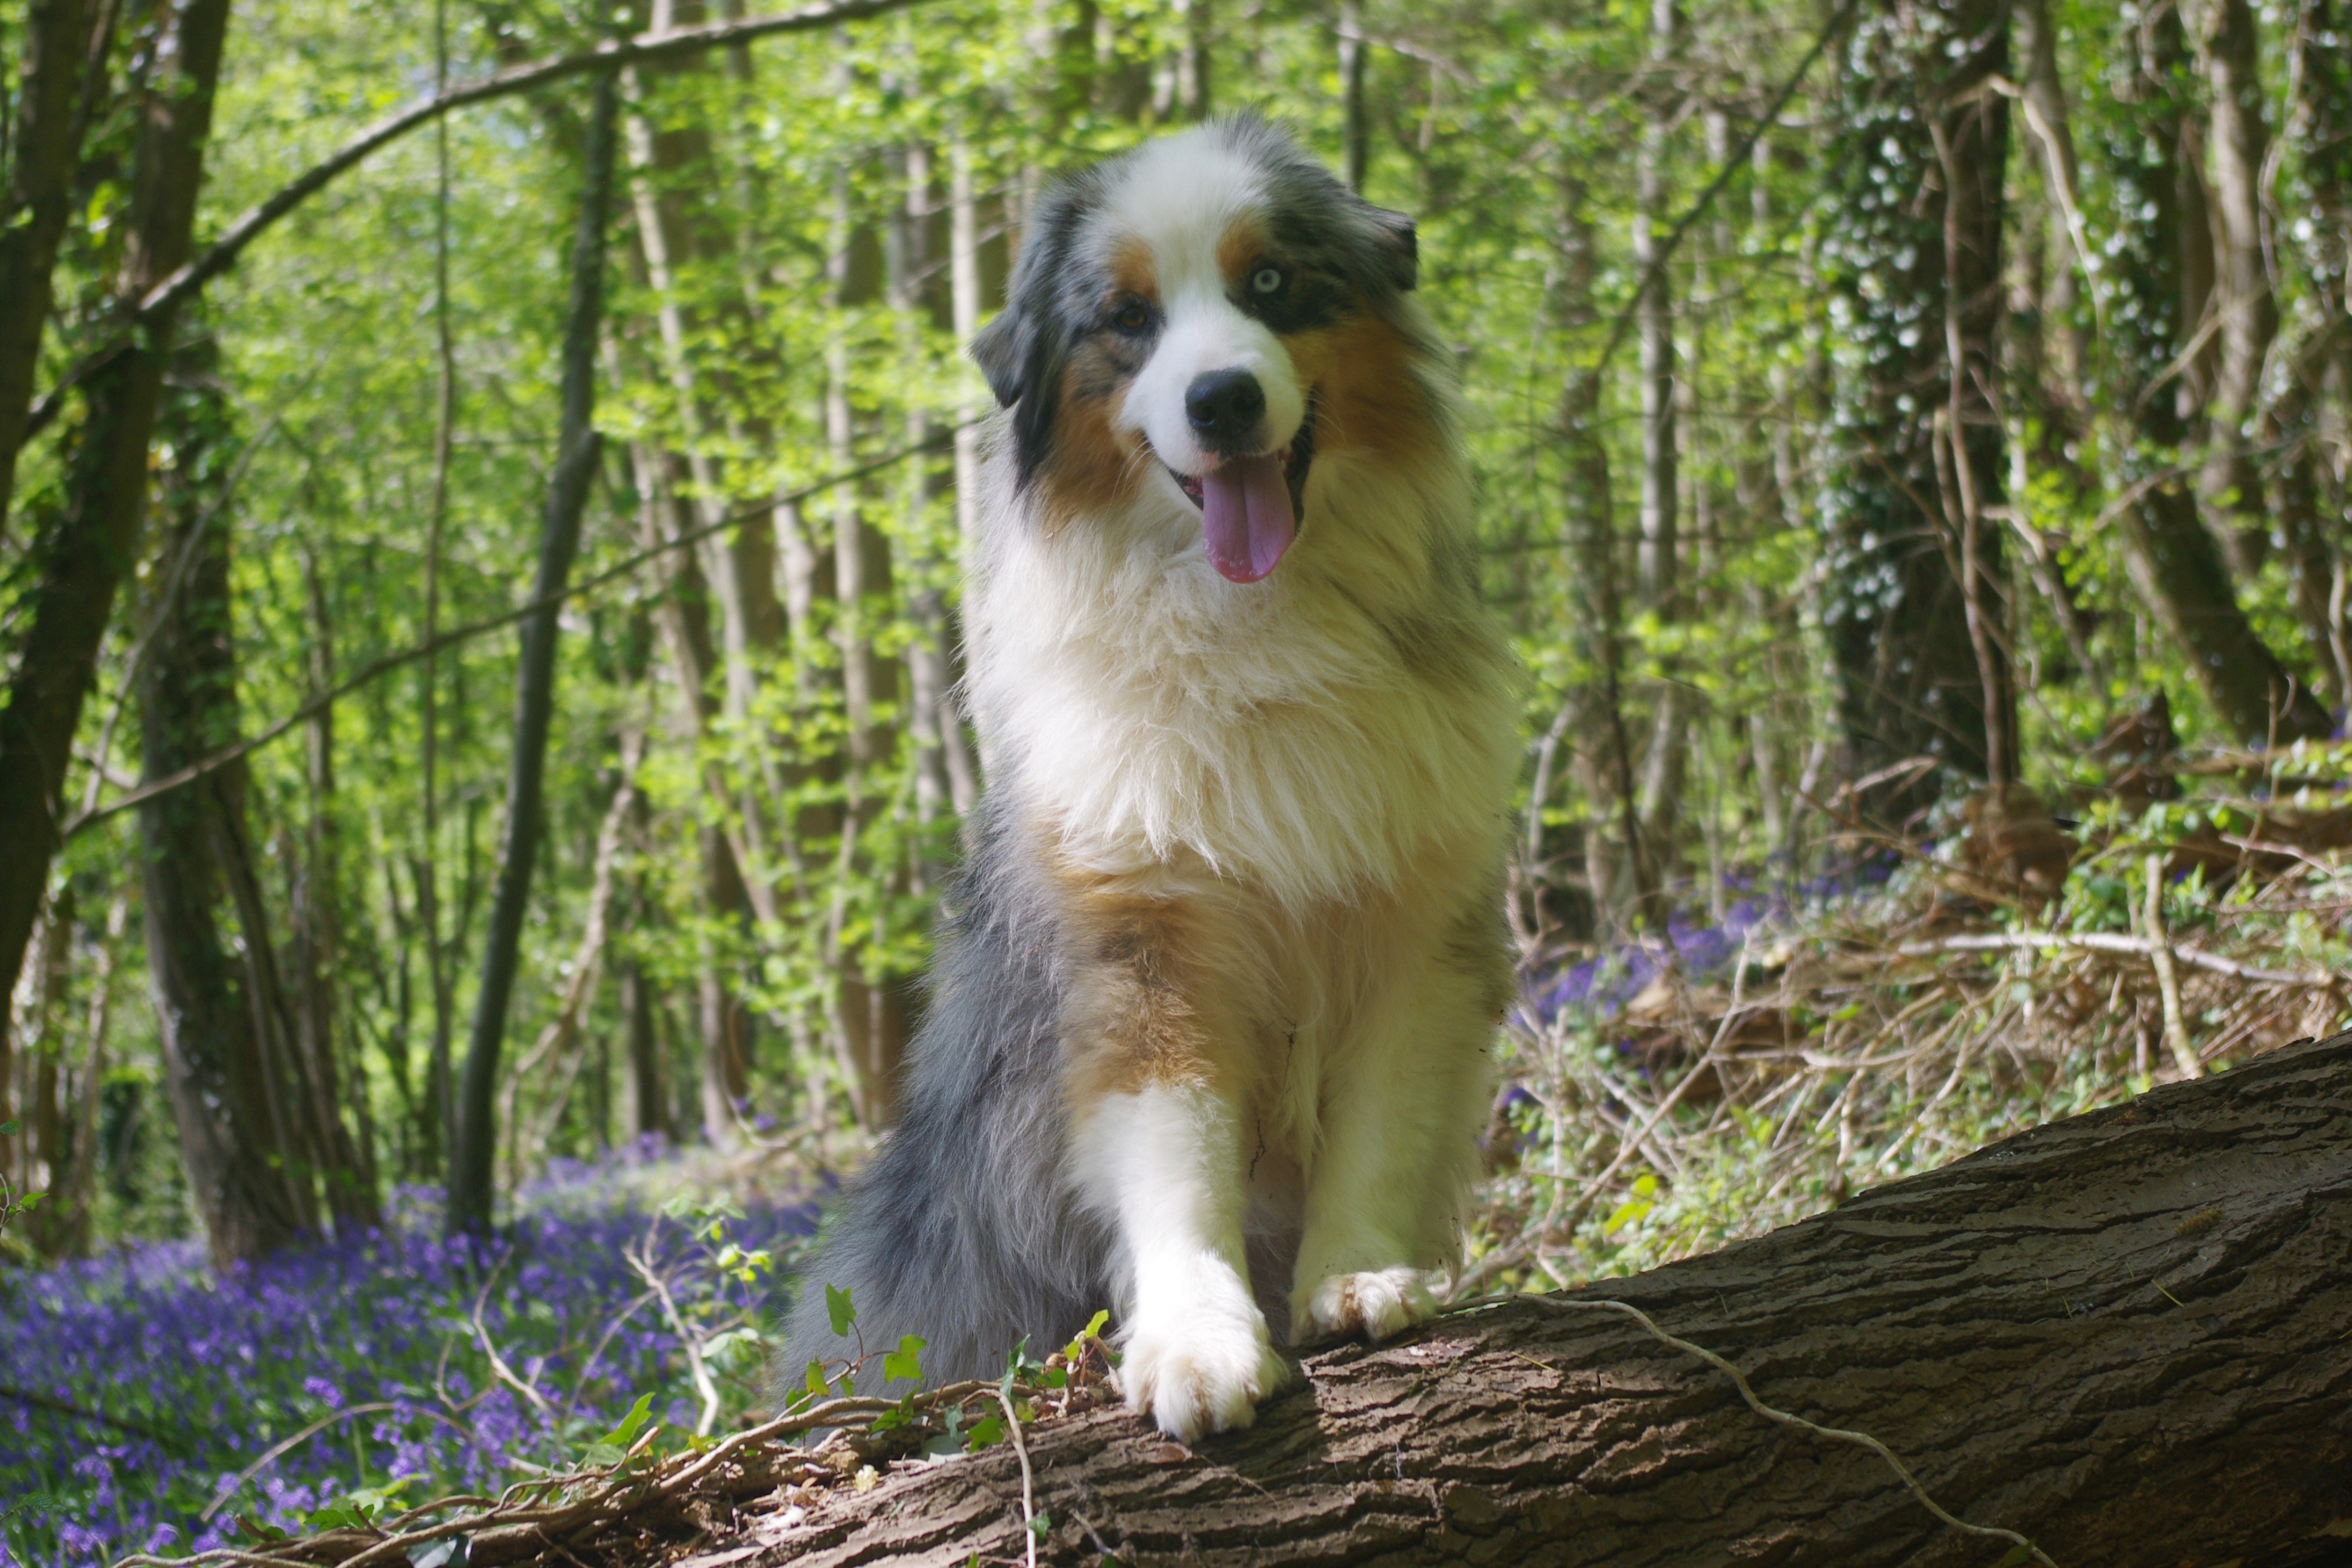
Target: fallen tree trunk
[(2127, 1336)]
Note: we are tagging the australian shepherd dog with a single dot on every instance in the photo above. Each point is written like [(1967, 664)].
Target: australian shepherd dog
[(1214, 1000)]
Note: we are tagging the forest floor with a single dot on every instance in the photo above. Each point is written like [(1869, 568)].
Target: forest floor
[(598, 1367)]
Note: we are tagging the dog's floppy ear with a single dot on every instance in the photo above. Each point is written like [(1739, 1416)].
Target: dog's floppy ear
[(1400, 250), (1000, 349), (1022, 354)]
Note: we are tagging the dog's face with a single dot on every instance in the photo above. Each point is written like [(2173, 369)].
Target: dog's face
[(1190, 324)]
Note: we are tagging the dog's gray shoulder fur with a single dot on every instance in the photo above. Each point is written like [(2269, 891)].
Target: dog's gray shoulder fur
[(959, 1230)]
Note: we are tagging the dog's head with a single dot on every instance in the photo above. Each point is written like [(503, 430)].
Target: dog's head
[(1190, 324)]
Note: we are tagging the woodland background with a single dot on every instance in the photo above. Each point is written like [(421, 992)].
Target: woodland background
[(1913, 443)]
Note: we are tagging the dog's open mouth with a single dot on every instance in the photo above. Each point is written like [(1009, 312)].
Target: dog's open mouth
[(1250, 506)]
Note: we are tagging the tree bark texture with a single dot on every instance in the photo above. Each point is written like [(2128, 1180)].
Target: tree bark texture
[(577, 447), (2155, 296), (84, 544), (33, 207), (1916, 180), (2123, 1336)]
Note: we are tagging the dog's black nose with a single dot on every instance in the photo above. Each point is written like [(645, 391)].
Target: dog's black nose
[(1225, 406)]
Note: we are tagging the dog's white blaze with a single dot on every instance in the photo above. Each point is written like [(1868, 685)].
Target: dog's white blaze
[(1178, 201), (1205, 332)]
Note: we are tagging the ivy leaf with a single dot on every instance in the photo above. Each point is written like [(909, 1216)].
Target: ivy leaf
[(986, 1433), (838, 1309), (816, 1384), (902, 1361)]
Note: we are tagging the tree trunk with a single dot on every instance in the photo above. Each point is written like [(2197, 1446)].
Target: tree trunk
[(2237, 150), (42, 148), (577, 447), (68, 1216), (1915, 178), (2126, 1337), (2154, 290), (1355, 126), (315, 876), (43, 1139), (2052, 132), (244, 1162), (86, 538), (2322, 75)]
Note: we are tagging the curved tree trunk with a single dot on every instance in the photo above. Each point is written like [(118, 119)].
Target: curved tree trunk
[(578, 445), (2127, 1336)]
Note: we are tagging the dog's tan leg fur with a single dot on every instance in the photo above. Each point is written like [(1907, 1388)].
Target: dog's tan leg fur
[(1160, 1084)]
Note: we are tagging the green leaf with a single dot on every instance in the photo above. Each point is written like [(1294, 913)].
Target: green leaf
[(838, 1309), (623, 1435), (902, 1361), (1093, 1331), (10, 1129), (816, 1384), (986, 1433)]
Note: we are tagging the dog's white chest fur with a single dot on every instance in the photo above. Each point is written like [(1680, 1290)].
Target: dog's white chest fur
[(1280, 733)]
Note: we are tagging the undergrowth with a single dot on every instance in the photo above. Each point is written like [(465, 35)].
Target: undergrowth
[(1666, 1097)]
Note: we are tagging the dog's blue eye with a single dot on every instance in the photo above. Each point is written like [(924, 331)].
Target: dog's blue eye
[(1267, 280)]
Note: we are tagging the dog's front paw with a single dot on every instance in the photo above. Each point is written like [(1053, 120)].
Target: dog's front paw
[(1375, 1303), (1206, 1374)]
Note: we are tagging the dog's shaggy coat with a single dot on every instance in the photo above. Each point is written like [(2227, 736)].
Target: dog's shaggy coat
[(1209, 1018)]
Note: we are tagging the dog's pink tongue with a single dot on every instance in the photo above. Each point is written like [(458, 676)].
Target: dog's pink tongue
[(1245, 516)]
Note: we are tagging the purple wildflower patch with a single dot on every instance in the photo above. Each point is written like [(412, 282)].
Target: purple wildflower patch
[(139, 1394)]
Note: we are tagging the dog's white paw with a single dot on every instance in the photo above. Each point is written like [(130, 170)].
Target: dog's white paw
[(1375, 1303), (1206, 1374)]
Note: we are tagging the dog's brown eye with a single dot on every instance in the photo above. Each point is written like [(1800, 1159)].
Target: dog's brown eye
[(1267, 280), (1131, 317)]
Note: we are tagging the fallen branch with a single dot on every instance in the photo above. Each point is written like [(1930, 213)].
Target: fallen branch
[(2108, 941), (2126, 1338)]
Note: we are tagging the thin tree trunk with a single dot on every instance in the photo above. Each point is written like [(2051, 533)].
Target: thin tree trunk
[(440, 1120), (556, 1041), (80, 1186), (1193, 59), (43, 145), (1593, 538), (45, 1124), (648, 1099), (350, 1181), (2126, 1337), (1355, 127), (1654, 325), (577, 447), (2237, 150), (89, 538)]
